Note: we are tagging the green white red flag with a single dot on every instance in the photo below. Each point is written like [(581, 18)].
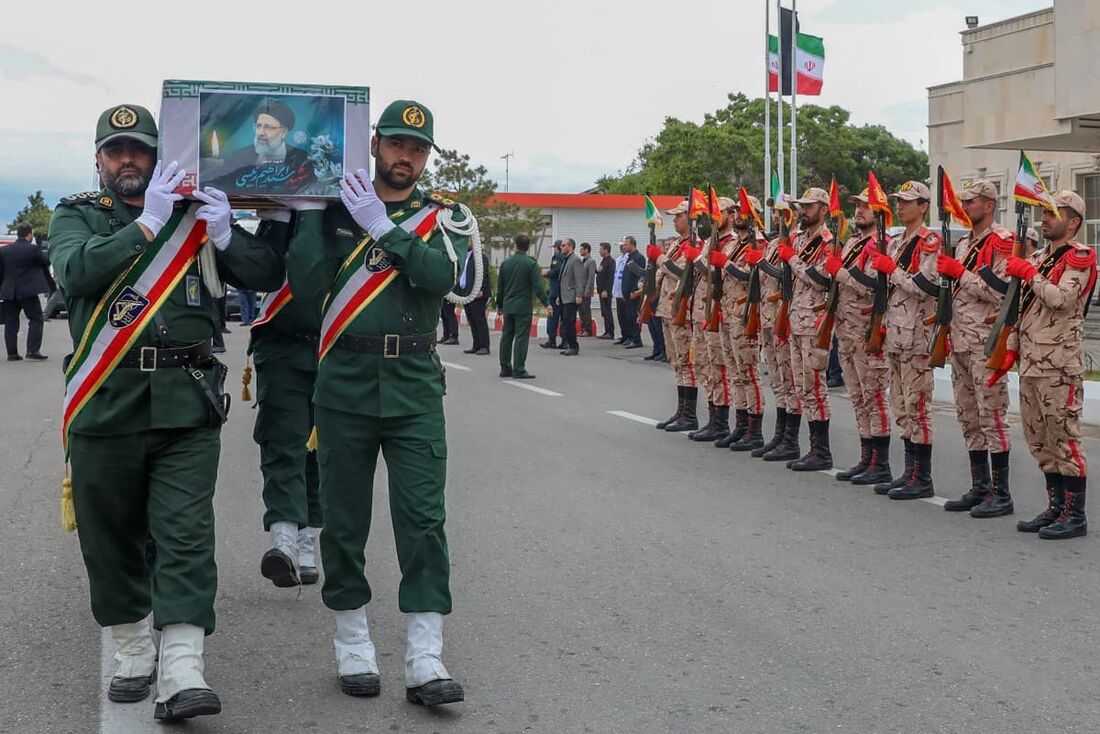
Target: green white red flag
[(809, 64), (652, 213), (1030, 188)]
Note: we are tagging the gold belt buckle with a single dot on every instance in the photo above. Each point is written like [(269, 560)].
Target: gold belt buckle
[(147, 359), (395, 340)]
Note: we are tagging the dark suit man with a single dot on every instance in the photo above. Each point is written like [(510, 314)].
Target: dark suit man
[(605, 285), (585, 308), (631, 281), (571, 288), (450, 323), (553, 274), (24, 274), (475, 309)]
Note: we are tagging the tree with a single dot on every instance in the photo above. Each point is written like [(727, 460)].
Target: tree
[(36, 213), (727, 149)]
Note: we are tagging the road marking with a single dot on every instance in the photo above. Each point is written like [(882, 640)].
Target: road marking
[(532, 388), (453, 366), (937, 500), (119, 718), (830, 472), (633, 417)]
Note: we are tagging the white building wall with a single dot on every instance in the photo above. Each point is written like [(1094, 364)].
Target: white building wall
[(595, 226)]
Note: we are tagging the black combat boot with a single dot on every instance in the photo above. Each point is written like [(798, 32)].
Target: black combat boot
[(919, 483), (1056, 497), (787, 448), (679, 410), (739, 427), (864, 462), (980, 484), (819, 457), (754, 437), (710, 421), (1071, 523), (900, 480), (689, 419), (998, 501), (878, 471), (777, 438), (720, 425)]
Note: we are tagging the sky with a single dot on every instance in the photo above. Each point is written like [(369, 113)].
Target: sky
[(571, 88)]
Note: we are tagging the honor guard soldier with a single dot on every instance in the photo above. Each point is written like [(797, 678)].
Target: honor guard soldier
[(143, 408), (378, 268), (865, 375), (678, 337), (981, 405), (808, 362), (1059, 280)]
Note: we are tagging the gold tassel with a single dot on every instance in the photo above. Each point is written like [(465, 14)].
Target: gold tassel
[(246, 380), (311, 444), (68, 512)]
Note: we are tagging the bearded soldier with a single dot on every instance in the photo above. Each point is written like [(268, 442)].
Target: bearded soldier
[(1059, 280), (981, 405), (143, 403), (678, 337)]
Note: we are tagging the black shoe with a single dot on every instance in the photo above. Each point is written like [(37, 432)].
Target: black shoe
[(999, 500), (859, 468), (482, 352), (819, 456), (225, 330), (1072, 522), (753, 438), (130, 690), (14, 358), (719, 425), (878, 471), (279, 568), (505, 371), (620, 340), (546, 345), (661, 425), (187, 704), (37, 357), (688, 419), (980, 484), (919, 483), (435, 692), (662, 357), (1055, 499), (634, 345), (901, 479), (835, 382), (710, 421), (361, 684), (469, 351), (308, 575), (571, 352), (777, 438), (606, 336), (451, 340), (651, 357), (523, 375), (787, 448)]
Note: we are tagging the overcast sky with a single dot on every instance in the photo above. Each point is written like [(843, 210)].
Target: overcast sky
[(571, 87)]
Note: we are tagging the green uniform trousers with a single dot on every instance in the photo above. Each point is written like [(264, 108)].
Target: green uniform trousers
[(415, 450), (158, 484), (514, 339), (284, 420)]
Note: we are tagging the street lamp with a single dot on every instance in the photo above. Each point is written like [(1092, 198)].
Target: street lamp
[(506, 158)]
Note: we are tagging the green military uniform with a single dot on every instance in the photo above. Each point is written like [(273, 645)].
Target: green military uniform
[(144, 451), (519, 280)]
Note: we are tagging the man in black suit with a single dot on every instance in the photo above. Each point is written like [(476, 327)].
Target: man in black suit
[(632, 278), (570, 295), (553, 320), (24, 275), (475, 309), (605, 285), (450, 323)]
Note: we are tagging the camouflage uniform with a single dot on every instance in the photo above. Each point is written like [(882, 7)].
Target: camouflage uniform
[(710, 368), (670, 266), (777, 352), (740, 352)]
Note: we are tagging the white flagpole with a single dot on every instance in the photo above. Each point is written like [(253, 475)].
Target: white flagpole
[(767, 116), (794, 98), (779, 123)]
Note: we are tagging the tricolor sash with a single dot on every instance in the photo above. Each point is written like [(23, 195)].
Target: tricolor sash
[(126, 310), (365, 273), (272, 304)]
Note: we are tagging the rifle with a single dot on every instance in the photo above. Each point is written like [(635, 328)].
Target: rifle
[(683, 295), (825, 331), (882, 293), (649, 283), (750, 319), (997, 343), (714, 286), (782, 326), (937, 347)]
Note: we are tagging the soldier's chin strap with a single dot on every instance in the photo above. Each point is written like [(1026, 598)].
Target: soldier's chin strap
[(466, 228)]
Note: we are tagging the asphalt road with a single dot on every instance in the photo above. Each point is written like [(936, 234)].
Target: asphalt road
[(607, 578)]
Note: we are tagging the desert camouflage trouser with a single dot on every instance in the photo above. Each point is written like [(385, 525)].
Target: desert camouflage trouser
[(1050, 408), (911, 384), (778, 359), (981, 409), (710, 367), (808, 363), (866, 376), (678, 349), (742, 357)]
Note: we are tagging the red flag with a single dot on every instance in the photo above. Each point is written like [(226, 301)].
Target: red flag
[(876, 198), (697, 203), (712, 206), (747, 209), (835, 211), (950, 203)]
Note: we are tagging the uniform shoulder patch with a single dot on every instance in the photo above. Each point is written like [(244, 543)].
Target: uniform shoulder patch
[(1081, 257), (1002, 240), (80, 198), (931, 243)]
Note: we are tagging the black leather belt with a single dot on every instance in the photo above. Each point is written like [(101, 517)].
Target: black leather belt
[(151, 359), (390, 346)]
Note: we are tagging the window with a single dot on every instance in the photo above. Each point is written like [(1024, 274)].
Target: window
[(1090, 190)]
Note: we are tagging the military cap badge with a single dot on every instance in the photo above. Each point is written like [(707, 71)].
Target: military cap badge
[(123, 118), (413, 116)]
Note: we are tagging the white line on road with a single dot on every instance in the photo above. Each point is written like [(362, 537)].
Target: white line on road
[(532, 388), (830, 472), (633, 417), (937, 500), (119, 718), (453, 366)]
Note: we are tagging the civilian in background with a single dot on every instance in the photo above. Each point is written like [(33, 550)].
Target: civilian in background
[(570, 295), (450, 323), (24, 275), (585, 308), (246, 300), (553, 321), (656, 323), (605, 285), (619, 295), (632, 289), (475, 309), (519, 282)]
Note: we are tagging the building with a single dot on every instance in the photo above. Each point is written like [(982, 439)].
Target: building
[(592, 218), (1028, 84)]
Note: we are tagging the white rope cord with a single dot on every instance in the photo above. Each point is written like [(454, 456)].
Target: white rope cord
[(466, 228)]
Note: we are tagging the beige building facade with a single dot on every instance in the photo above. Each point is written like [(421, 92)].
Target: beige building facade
[(1028, 84)]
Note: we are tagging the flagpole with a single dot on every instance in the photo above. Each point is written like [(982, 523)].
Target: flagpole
[(794, 98), (779, 89), (767, 113)]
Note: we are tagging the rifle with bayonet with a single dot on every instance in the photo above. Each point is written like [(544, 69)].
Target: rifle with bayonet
[(686, 292), (649, 282), (714, 284), (997, 343), (786, 285), (882, 292), (937, 347), (750, 319), (828, 322)]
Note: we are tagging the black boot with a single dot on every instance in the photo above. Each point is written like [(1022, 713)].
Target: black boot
[(689, 419), (919, 483), (720, 426), (787, 448), (819, 457), (754, 437), (878, 471), (998, 501), (864, 462), (1056, 498), (679, 410), (980, 484), (777, 438), (1071, 523), (901, 479), (710, 421), (739, 427)]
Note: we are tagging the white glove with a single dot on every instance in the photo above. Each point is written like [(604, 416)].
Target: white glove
[(307, 205), (368, 211), (217, 214), (159, 197)]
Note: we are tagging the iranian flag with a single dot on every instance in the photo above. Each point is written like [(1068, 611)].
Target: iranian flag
[(1030, 188), (809, 62), (652, 214), (779, 199)]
